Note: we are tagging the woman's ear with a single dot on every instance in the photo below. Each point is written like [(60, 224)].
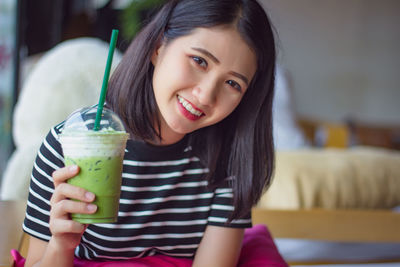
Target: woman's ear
[(156, 53)]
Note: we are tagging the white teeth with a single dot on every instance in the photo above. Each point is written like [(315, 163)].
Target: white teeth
[(189, 107)]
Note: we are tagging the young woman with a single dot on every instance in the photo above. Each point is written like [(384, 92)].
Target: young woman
[(194, 90)]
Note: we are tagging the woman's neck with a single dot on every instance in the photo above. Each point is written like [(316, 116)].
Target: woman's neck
[(168, 135), (167, 139)]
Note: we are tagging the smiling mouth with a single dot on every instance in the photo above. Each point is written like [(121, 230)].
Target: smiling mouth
[(189, 107)]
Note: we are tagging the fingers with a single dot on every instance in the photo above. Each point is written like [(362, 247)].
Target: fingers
[(61, 203), (59, 226), (63, 174), (60, 223), (66, 232), (61, 208), (64, 190)]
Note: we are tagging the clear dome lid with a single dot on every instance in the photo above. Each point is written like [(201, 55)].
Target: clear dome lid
[(84, 120)]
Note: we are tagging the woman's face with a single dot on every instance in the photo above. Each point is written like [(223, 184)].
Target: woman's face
[(199, 79)]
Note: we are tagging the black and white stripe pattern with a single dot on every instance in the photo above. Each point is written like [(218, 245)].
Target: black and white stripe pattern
[(165, 203)]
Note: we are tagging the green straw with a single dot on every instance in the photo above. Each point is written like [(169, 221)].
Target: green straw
[(103, 92)]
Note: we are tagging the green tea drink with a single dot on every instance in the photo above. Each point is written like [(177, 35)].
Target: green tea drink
[(100, 175), (99, 155)]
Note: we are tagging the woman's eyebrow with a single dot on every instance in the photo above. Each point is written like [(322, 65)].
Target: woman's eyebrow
[(213, 58), (207, 53), (240, 76)]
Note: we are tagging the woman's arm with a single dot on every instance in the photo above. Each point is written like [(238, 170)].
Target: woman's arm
[(41, 253), (220, 247), (66, 233)]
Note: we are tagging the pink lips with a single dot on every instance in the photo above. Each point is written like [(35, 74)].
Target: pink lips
[(186, 113)]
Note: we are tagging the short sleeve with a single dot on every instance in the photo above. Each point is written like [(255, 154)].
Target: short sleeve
[(48, 159), (222, 207)]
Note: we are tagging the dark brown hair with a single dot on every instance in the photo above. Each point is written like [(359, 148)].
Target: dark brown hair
[(240, 146)]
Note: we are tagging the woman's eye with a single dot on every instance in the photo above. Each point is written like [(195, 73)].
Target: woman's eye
[(200, 61), (234, 85)]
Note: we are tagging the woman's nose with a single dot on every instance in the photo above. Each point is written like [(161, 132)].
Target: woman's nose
[(206, 93)]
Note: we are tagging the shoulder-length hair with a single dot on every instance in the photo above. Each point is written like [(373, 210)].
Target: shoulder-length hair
[(241, 145)]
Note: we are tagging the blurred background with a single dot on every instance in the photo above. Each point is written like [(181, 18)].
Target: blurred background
[(340, 59), (29, 29)]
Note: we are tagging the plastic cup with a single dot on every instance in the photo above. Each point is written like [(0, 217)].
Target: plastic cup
[(99, 154)]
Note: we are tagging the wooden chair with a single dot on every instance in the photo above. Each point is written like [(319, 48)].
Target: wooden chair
[(11, 235), (332, 225)]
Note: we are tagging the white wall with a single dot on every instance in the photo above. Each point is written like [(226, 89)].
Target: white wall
[(343, 55)]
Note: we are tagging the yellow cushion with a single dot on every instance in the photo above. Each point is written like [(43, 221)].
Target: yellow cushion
[(360, 177)]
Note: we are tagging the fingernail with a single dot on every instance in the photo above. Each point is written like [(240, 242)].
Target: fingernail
[(73, 168), (91, 207), (89, 196)]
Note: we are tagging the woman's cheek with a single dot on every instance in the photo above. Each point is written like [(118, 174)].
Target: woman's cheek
[(187, 74)]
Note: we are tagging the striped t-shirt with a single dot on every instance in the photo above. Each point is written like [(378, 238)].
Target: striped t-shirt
[(165, 203)]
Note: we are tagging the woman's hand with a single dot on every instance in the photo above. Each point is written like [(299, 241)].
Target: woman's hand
[(66, 233)]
